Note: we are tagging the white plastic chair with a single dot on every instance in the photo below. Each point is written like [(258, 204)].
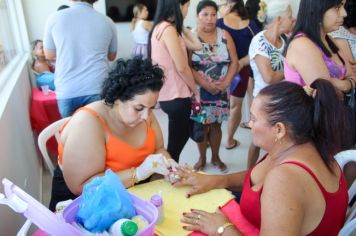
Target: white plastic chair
[(50, 131), (343, 158), (350, 224)]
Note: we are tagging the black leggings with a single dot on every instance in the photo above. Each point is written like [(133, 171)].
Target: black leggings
[(178, 111), (60, 191)]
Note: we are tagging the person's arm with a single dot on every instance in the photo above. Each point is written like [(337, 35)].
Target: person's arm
[(147, 25), (345, 49), (171, 40), (111, 56), (282, 202), (234, 62), (245, 61), (191, 41), (159, 136), (50, 54), (208, 86), (84, 155), (306, 58), (265, 68), (112, 51), (201, 183)]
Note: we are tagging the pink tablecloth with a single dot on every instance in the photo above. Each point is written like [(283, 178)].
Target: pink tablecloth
[(44, 111)]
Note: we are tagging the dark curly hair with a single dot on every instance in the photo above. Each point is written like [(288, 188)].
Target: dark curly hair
[(130, 78)]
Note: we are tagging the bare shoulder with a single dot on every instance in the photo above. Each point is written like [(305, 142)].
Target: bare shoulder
[(84, 122), (283, 176), (147, 24), (289, 180), (170, 31), (302, 44)]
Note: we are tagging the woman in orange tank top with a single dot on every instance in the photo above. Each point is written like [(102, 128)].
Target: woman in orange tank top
[(119, 132)]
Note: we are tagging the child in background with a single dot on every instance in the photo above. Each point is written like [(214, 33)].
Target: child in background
[(140, 29), (43, 68)]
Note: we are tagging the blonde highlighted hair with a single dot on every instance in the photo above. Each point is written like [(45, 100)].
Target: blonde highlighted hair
[(137, 9)]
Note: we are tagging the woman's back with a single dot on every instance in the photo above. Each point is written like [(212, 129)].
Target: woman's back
[(174, 86), (139, 33), (309, 186), (241, 33)]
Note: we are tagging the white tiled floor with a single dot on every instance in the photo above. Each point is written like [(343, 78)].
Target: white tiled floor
[(235, 159)]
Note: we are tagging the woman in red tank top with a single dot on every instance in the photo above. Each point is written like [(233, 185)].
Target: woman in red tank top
[(298, 187), (120, 132)]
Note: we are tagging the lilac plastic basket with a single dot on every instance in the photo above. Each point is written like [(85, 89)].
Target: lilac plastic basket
[(144, 208), (52, 224)]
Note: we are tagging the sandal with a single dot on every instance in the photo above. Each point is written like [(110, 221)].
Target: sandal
[(200, 165), (221, 165), (245, 125), (235, 144)]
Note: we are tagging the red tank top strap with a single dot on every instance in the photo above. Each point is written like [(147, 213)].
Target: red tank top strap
[(309, 171)]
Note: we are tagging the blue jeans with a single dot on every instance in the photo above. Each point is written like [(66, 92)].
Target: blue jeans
[(68, 106)]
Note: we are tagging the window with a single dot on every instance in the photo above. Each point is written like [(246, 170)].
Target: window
[(7, 35)]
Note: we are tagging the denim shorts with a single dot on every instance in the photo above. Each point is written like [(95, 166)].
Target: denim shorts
[(68, 106)]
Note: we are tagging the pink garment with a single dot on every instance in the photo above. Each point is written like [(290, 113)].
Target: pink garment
[(232, 211), (174, 85), (335, 70)]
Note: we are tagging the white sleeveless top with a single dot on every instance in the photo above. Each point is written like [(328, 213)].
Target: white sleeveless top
[(140, 34), (345, 34)]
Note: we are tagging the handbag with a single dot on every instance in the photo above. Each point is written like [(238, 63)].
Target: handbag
[(234, 83), (350, 102), (196, 130)]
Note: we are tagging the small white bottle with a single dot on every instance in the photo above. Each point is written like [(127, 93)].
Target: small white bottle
[(123, 227), (157, 201)]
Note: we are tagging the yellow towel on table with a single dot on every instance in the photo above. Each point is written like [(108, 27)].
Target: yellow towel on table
[(175, 203)]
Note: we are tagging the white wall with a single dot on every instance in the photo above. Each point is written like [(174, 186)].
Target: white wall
[(19, 160), (37, 11)]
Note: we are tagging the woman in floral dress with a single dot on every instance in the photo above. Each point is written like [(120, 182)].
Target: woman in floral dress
[(213, 68)]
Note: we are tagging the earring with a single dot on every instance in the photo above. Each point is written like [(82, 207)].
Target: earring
[(278, 140)]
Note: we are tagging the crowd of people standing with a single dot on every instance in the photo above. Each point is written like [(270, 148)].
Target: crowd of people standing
[(298, 71)]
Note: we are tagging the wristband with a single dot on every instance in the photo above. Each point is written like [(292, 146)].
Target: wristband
[(352, 83)]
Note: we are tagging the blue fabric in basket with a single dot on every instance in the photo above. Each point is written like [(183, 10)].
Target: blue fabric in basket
[(104, 201)]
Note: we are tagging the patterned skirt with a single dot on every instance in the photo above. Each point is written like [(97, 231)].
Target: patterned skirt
[(214, 108)]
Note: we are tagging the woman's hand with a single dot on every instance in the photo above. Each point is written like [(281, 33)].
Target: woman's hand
[(221, 85), (353, 66), (211, 87), (208, 223), (199, 183), (154, 163)]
